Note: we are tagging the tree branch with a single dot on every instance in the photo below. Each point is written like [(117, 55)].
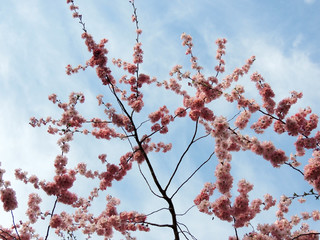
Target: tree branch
[(146, 180), (14, 224), (304, 234), (54, 206), (192, 175), (182, 156)]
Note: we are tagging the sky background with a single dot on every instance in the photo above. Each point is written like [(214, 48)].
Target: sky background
[(39, 38)]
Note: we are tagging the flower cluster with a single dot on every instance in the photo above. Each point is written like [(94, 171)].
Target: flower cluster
[(59, 187), (33, 211), (8, 198), (312, 171), (115, 172), (241, 212), (220, 52), (163, 117)]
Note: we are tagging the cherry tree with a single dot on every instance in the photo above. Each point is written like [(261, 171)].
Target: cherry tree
[(148, 132)]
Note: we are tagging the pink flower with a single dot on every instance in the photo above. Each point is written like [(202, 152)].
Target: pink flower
[(103, 157), (268, 201), (53, 98), (155, 116), (224, 178), (33, 211), (243, 119), (64, 181), (180, 112), (137, 55), (55, 221), (138, 156), (67, 197), (194, 115), (8, 198)]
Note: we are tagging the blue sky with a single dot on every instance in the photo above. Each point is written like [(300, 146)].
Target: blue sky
[(39, 38)]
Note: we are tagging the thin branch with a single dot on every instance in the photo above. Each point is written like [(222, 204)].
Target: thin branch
[(146, 180), (11, 236), (182, 156), (272, 116), (199, 138), (234, 116), (192, 175), (305, 234), (127, 137), (143, 123), (3, 237), (80, 17), (157, 211), (14, 224), (218, 71), (236, 231), (54, 206), (310, 193), (289, 164), (188, 231), (182, 214), (182, 232), (157, 225)]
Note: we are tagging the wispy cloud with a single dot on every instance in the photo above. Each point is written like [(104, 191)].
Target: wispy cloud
[(309, 1), (42, 38)]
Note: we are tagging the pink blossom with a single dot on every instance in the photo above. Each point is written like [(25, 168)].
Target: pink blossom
[(221, 208), (55, 221), (180, 112), (137, 55), (244, 187), (64, 181), (102, 157), (67, 197), (263, 123), (138, 156), (224, 178), (53, 98), (33, 211), (243, 119), (312, 171), (8, 198), (194, 115), (268, 201)]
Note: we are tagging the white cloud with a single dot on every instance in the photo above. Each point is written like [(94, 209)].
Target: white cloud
[(45, 51)]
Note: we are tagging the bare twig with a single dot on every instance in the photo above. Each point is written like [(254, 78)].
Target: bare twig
[(54, 207), (157, 211), (192, 175), (146, 180), (14, 224), (188, 232), (289, 164), (304, 234), (182, 214), (182, 156)]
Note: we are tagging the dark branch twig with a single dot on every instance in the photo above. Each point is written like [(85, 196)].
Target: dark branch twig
[(192, 175), (182, 156), (157, 211), (54, 207), (304, 234), (146, 180), (14, 224), (182, 214), (289, 164)]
